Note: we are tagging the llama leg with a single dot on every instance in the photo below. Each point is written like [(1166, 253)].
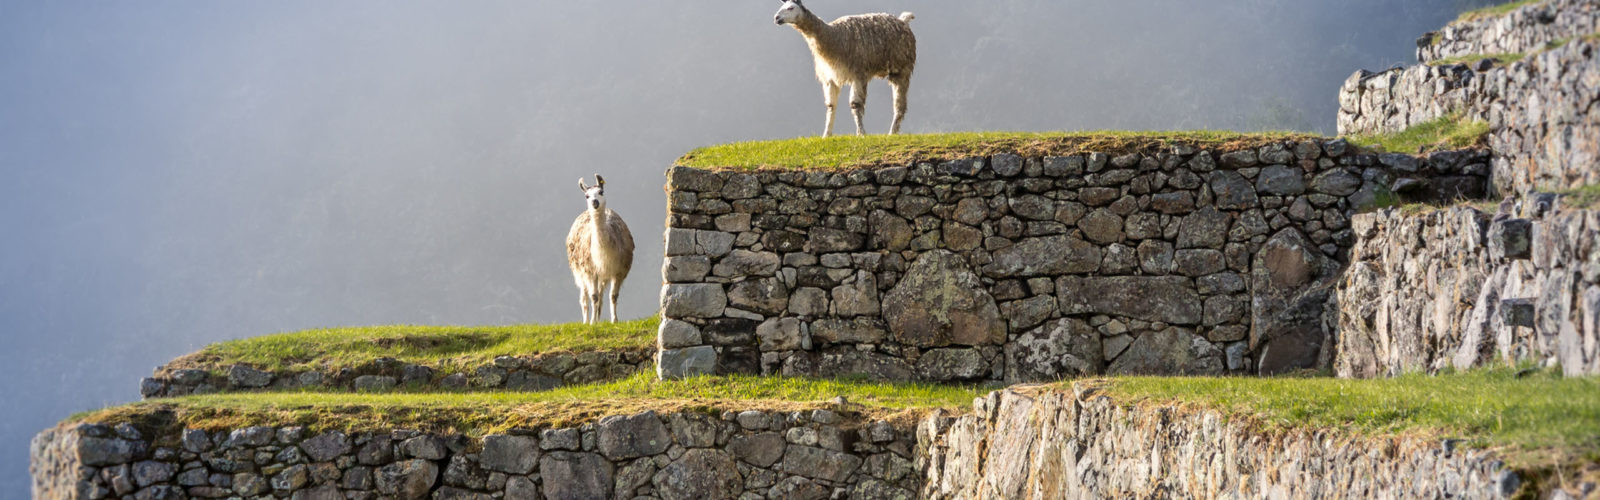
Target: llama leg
[(616, 287), (583, 301), (899, 86), (596, 291), (858, 104), (830, 97)]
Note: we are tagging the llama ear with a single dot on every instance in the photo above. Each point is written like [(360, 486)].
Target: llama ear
[(582, 187), (600, 180)]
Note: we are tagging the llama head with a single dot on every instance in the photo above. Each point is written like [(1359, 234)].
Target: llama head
[(594, 196), (790, 12)]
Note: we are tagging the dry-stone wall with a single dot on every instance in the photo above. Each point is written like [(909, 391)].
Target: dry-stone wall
[(1462, 288), (1083, 445), (1523, 30), (811, 454), (1544, 125), (1017, 269), (536, 372)]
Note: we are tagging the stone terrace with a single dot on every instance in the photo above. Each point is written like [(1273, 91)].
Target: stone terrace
[(1011, 268)]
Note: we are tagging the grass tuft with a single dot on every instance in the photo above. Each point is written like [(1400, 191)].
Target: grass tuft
[(1586, 197), (1447, 132), (447, 347), (1534, 417), (1493, 10), (1500, 59), (479, 413), (843, 152)]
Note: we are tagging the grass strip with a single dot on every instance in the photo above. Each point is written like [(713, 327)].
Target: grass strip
[(1493, 10), (1533, 417), (843, 152), (447, 348), (1447, 132), (480, 413)]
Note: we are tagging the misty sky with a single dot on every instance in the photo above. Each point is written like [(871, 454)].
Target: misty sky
[(178, 173)]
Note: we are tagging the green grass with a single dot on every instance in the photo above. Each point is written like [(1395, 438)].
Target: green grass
[(876, 150), (1443, 133), (478, 413), (1493, 10), (446, 347), (1586, 197), (1540, 418), (1501, 59)]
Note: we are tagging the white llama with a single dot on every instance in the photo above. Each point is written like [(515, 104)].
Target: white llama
[(852, 50), (600, 251)]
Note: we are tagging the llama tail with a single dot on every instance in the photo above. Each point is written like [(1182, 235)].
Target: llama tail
[(906, 17)]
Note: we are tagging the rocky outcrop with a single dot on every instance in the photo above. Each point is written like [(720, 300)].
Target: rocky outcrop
[(1544, 132), (536, 372), (1525, 29), (680, 456), (1463, 288), (1010, 268), (1044, 443)]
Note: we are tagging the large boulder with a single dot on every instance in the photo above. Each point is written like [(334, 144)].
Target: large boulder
[(1058, 349), (1290, 281), (940, 302), (1169, 299), (1173, 351), (576, 476), (700, 474), (632, 436), (406, 480), (1049, 255)]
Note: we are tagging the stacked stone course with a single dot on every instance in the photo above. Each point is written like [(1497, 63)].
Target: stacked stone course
[(1079, 444), (1542, 111), (1463, 288), (678, 456), (536, 372), (1523, 30), (1009, 268)]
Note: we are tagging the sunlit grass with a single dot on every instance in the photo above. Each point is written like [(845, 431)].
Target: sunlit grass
[(1586, 197), (1536, 417), (1493, 10), (477, 413), (873, 150), (1500, 59), (331, 349), (1447, 132)]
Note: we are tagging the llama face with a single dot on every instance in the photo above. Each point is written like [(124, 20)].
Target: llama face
[(789, 12), (594, 196)]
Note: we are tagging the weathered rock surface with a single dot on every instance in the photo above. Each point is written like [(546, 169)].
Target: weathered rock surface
[(941, 302), (1079, 444), (1438, 289)]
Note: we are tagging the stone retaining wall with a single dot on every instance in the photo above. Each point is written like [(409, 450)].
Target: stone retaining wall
[(1544, 125), (1523, 30), (1023, 269), (1462, 288), (535, 372), (812, 454), (1081, 445)]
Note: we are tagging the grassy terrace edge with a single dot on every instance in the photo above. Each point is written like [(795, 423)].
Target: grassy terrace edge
[(846, 152), (448, 348), (1452, 131), (1493, 10), (1533, 418), (481, 413)]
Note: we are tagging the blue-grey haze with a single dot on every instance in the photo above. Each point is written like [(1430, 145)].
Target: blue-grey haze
[(175, 173)]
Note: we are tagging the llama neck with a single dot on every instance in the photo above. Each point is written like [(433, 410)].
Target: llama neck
[(602, 230), (811, 27)]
